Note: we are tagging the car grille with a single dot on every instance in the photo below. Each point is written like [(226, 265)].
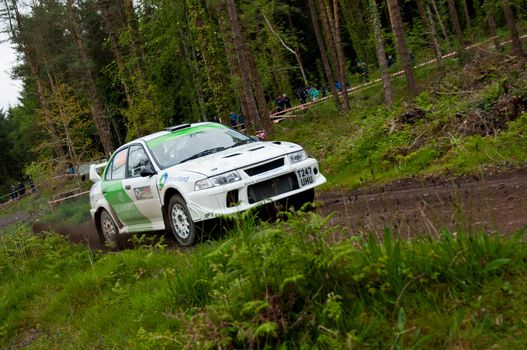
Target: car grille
[(265, 167), (272, 187)]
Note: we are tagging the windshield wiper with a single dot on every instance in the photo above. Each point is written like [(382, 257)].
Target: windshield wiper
[(203, 153)]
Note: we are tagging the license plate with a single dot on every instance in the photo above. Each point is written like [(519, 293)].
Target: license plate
[(305, 177)]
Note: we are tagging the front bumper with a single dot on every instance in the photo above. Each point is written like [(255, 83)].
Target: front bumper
[(256, 190)]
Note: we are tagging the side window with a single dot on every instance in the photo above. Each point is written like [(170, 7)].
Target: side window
[(137, 159), (116, 171)]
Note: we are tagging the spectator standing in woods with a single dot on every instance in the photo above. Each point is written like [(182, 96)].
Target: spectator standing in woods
[(314, 94), (13, 193), (279, 101), (287, 101), (338, 85), (302, 94), (21, 189), (234, 119)]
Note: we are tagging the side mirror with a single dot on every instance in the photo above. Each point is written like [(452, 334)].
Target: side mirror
[(147, 170), (255, 138)]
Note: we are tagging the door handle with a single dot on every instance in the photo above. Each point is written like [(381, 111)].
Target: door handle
[(127, 187)]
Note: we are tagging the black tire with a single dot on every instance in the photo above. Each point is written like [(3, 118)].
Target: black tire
[(108, 229), (180, 221), (299, 199)]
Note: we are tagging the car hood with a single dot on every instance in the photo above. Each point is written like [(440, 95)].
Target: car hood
[(236, 158)]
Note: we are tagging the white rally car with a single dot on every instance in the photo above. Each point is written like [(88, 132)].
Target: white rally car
[(193, 172)]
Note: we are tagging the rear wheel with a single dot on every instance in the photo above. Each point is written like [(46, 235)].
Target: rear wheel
[(108, 229), (181, 224)]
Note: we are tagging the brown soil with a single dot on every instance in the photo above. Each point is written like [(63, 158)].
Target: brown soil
[(493, 202)]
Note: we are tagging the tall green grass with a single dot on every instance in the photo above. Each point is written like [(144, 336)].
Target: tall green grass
[(297, 284)]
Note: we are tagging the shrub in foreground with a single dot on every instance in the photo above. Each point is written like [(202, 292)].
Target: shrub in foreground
[(296, 284)]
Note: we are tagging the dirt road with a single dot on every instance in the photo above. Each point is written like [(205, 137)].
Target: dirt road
[(492, 202)]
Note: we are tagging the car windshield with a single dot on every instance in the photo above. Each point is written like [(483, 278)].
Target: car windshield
[(184, 145)]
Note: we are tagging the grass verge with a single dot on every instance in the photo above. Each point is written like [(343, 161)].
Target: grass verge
[(296, 284)]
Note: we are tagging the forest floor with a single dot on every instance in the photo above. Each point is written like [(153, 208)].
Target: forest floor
[(493, 202)]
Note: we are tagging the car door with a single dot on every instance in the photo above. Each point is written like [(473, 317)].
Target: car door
[(112, 188), (143, 191)]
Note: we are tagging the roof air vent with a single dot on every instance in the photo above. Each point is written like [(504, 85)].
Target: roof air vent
[(177, 127)]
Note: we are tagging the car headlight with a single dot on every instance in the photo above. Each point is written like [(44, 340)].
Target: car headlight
[(297, 156), (219, 180)]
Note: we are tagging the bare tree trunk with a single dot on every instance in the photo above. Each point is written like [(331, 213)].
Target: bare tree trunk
[(29, 53), (294, 52), (511, 24), (192, 60), (252, 110), (108, 17), (323, 54), (441, 25), (467, 16), (328, 37), (136, 37), (340, 55), (215, 67), (101, 122), (431, 32), (265, 117), (457, 27), (400, 44), (381, 54), (71, 149), (492, 27)]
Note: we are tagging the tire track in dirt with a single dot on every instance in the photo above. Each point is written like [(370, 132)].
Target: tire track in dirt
[(493, 202)]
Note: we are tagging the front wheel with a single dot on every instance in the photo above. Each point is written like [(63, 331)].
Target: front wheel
[(300, 199), (181, 224)]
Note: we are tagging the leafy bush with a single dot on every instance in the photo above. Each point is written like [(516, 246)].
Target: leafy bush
[(300, 283)]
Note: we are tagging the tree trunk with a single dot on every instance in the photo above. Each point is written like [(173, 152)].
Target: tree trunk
[(492, 28), (431, 32), (328, 37), (467, 16), (381, 54), (265, 117), (210, 48), (108, 17), (252, 110), (71, 149), (340, 55), (457, 27), (511, 24), (400, 44), (192, 60), (101, 122), (441, 25), (136, 37), (29, 53), (323, 54), (293, 51)]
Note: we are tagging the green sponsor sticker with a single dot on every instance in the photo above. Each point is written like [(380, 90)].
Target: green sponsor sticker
[(163, 180)]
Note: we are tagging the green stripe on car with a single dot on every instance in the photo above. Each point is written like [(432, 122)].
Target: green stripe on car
[(123, 205), (167, 137)]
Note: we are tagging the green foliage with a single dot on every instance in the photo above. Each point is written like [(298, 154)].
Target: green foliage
[(296, 284)]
